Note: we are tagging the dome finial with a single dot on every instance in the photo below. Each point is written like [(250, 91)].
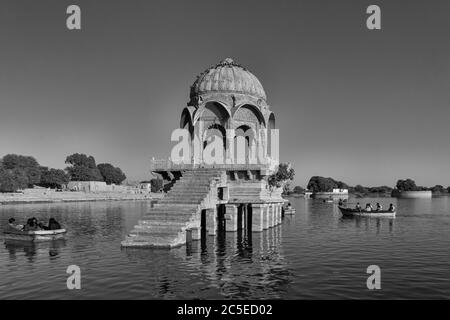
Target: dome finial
[(227, 61)]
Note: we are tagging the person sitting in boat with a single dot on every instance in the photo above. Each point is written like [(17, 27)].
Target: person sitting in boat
[(379, 207), (53, 224), (341, 203), (31, 225), (12, 224), (369, 207), (391, 208), (42, 226), (358, 206)]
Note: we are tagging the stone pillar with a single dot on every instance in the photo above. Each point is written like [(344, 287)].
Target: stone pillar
[(229, 153), (266, 224), (244, 219), (211, 221), (257, 217), (272, 215), (231, 217), (279, 213), (196, 233)]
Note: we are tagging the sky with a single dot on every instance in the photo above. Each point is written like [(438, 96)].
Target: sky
[(362, 106)]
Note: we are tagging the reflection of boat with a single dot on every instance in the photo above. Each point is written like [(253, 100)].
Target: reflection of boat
[(38, 235), (349, 212)]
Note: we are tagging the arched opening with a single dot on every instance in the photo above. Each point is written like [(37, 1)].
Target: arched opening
[(214, 119), (215, 112), (215, 130), (248, 113), (186, 122), (244, 144)]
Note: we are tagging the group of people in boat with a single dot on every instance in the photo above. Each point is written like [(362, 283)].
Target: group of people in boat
[(370, 208), (34, 224)]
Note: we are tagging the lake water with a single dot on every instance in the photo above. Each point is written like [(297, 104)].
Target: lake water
[(314, 254)]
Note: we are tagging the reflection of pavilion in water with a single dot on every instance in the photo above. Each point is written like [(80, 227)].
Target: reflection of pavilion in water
[(233, 264)]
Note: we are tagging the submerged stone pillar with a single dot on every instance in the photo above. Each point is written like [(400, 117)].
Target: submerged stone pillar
[(211, 221), (266, 223), (275, 214), (271, 215), (278, 213), (257, 217), (231, 217), (196, 233)]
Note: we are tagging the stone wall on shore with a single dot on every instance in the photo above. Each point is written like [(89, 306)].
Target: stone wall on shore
[(413, 194), (50, 195)]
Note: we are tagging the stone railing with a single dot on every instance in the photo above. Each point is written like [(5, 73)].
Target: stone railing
[(169, 165)]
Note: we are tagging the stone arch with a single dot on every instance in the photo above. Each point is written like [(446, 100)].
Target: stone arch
[(242, 153), (186, 121), (213, 111), (218, 130), (249, 113), (212, 132)]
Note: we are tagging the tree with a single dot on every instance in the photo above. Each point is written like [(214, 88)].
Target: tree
[(321, 184), (283, 174), (437, 189), (83, 168), (298, 190), (13, 161), (25, 164), (286, 188), (360, 189), (381, 189), (406, 185), (11, 180), (81, 173), (80, 159), (111, 174), (156, 185), (53, 178)]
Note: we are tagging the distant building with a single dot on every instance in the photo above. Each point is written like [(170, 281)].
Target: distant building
[(335, 194), (98, 186), (340, 191)]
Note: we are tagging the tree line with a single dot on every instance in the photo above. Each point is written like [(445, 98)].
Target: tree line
[(322, 184), (19, 172)]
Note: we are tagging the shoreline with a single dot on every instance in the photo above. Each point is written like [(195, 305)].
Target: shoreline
[(64, 197)]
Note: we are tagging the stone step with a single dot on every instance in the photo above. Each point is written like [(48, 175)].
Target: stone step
[(164, 221), (183, 196), (159, 229), (192, 187), (162, 204), (164, 225), (169, 215), (187, 192), (183, 200), (148, 241), (156, 233)]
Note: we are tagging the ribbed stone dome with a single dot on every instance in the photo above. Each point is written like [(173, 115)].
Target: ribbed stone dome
[(227, 77)]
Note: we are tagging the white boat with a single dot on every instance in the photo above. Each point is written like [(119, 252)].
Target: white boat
[(38, 235), (350, 212)]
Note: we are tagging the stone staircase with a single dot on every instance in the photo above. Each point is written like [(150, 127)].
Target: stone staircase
[(166, 224)]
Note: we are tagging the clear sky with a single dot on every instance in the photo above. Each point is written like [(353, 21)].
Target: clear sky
[(365, 107)]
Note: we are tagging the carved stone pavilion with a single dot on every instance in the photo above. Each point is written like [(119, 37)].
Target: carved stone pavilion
[(203, 199)]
